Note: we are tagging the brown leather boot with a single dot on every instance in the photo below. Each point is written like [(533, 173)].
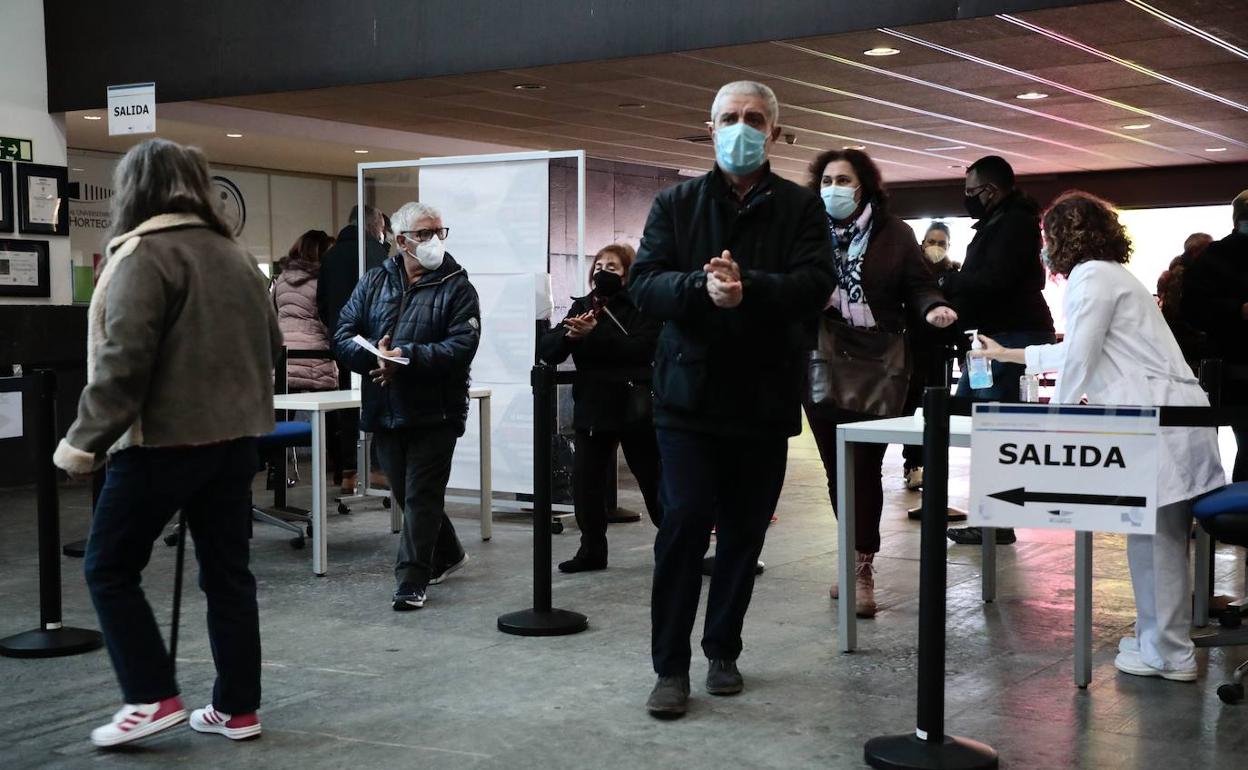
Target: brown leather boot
[(864, 572)]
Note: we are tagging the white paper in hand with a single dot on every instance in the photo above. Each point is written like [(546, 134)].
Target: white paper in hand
[(371, 348)]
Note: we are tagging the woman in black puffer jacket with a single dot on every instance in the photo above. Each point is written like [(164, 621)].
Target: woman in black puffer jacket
[(604, 331)]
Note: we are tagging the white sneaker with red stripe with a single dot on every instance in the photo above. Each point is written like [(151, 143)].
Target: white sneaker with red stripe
[(139, 720), (237, 727)]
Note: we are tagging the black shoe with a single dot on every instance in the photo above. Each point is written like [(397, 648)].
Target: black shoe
[(581, 563), (974, 536), (439, 577), (670, 697), (708, 566), (723, 678), (408, 598)]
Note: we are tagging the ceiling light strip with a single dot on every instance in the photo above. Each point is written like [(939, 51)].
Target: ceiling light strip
[(1057, 36), (1068, 89), (975, 97), (821, 113), (1189, 28)]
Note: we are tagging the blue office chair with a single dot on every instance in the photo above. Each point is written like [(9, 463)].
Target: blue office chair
[(286, 435), (1224, 515)]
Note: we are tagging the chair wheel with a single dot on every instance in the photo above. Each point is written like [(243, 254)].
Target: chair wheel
[(385, 502), (308, 529), (1231, 693), (171, 539), (343, 509), (556, 527), (1230, 618), (290, 482), (296, 543)]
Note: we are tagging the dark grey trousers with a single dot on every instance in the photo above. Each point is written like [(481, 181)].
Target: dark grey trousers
[(417, 462)]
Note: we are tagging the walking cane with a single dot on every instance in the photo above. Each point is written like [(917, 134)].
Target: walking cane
[(177, 589)]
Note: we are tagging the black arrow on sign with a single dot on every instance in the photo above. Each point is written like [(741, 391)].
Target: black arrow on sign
[(1020, 496)]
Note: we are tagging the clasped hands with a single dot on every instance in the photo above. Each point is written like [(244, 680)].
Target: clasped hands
[(723, 281)]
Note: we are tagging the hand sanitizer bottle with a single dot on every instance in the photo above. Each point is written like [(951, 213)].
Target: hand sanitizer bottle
[(979, 369)]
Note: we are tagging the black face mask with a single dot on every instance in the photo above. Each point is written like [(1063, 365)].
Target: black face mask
[(607, 284), (975, 207)]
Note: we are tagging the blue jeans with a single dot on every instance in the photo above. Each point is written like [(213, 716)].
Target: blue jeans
[(144, 488), (1005, 376), (731, 484)]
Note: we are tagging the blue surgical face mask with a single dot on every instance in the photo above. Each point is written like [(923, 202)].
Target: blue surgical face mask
[(740, 149), (839, 201)]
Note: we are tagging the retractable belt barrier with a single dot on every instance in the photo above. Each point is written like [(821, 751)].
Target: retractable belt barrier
[(51, 639), (928, 746), (542, 619)]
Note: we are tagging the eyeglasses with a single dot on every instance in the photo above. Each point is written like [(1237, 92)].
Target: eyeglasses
[(421, 236), (974, 192)]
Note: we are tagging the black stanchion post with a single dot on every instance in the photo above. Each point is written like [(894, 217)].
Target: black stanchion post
[(928, 746), (542, 619), (51, 639)]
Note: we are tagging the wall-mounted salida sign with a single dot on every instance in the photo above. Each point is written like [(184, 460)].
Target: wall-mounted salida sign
[(132, 109), (1064, 467)]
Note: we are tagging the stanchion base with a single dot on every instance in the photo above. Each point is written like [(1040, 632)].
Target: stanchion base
[(542, 623), (75, 550), (51, 644), (903, 752)]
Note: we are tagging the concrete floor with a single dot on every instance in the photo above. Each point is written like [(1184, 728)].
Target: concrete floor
[(349, 683)]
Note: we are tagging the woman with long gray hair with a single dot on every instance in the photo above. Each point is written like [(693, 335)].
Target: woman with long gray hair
[(181, 344)]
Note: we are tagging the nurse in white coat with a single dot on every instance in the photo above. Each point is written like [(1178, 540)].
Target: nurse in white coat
[(1118, 350)]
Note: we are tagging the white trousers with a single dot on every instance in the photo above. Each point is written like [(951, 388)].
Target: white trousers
[(1162, 583)]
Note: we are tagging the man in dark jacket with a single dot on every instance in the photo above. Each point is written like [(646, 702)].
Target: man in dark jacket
[(417, 306), (999, 289), (737, 263), (1215, 301)]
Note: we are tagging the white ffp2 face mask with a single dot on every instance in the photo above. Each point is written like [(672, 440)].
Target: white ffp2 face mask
[(430, 253), (936, 254)]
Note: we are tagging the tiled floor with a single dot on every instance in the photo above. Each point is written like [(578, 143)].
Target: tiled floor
[(349, 683)]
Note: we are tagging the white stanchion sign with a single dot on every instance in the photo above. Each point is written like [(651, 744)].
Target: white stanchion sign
[(132, 109), (1064, 467)]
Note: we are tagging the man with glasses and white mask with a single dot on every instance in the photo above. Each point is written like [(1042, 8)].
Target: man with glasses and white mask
[(419, 308), (737, 265)]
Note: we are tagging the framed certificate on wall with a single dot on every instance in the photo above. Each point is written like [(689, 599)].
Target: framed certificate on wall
[(6, 197), (24, 268), (42, 199)]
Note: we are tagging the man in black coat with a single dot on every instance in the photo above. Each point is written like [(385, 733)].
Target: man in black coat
[(1215, 301), (999, 289), (737, 264), (419, 306)]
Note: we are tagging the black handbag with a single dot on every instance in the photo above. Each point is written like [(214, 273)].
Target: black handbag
[(639, 406), (865, 371)]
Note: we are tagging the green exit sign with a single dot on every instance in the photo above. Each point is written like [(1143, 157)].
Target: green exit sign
[(16, 149)]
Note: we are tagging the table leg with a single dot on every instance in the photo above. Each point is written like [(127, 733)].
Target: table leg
[(1202, 583), (487, 471), (1083, 608), (847, 623), (988, 578), (320, 554)]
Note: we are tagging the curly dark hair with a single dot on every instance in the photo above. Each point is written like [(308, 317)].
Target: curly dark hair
[(868, 173), (1080, 227)]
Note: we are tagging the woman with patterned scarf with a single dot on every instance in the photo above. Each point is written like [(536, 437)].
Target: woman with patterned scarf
[(882, 283)]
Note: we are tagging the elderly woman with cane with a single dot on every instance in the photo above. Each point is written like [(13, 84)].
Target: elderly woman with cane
[(181, 343)]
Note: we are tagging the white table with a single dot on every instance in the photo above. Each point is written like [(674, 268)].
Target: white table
[(909, 430), (321, 402)]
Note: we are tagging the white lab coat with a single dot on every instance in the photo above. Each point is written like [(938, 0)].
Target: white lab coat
[(1119, 351)]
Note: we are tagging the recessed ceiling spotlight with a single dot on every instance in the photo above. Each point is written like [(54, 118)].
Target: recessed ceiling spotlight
[(1032, 95), (881, 51), (92, 117), (631, 106), (75, 169), (854, 147), (235, 136), (948, 148), (956, 166), (1215, 149), (360, 152), (529, 87), (1137, 126)]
